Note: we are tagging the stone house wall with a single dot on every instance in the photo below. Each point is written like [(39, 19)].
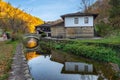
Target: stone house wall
[(58, 32), (79, 32), (72, 32)]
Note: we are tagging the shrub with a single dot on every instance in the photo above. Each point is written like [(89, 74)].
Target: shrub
[(43, 34), (102, 29), (95, 52)]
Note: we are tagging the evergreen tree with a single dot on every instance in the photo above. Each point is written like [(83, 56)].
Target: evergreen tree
[(115, 13), (115, 8)]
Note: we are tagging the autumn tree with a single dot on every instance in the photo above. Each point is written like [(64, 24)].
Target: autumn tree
[(15, 23), (84, 4), (17, 20)]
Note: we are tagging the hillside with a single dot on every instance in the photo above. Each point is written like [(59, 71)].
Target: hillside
[(12, 18), (108, 20), (102, 8)]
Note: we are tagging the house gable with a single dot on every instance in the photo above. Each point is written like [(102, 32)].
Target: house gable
[(79, 19), (75, 25), (71, 21)]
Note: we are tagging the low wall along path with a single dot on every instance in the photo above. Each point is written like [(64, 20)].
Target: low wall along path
[(20, 69)]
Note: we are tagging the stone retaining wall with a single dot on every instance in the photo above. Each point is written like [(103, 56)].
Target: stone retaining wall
[(20, 68)]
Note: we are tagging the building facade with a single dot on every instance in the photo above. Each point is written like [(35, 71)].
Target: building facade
[(58, 30), (74, 25), (46, 28)]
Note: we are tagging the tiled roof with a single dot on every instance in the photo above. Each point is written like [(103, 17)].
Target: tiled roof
[(44, 25), (79, 14), (51, 23), (58, 24)]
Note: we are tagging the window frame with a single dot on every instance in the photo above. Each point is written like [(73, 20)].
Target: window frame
[(86, 19), (76, 20)]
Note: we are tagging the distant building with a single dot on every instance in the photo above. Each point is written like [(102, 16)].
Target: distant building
[(44, 28), (74, 25)]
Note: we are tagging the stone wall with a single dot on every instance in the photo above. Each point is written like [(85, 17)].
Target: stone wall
[(19, 69), (78, 32), (58, 32), (72, 32)]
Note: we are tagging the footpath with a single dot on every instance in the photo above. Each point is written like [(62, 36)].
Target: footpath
[(1, 39), (20, 69)]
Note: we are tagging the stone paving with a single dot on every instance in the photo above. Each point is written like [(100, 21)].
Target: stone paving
[(20, 69)]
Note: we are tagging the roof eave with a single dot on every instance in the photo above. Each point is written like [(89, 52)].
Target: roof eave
[(94, 15)]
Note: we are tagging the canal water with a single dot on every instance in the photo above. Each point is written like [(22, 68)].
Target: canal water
[(63, 66)]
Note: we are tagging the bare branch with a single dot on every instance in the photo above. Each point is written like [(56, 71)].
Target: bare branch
[(84, 4)]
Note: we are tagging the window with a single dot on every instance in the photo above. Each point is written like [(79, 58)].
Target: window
[(86, 68), (86, 20), (76, 20), (76, 68)]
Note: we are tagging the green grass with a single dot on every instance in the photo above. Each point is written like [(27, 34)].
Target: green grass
[(6, 54), (112, 40)]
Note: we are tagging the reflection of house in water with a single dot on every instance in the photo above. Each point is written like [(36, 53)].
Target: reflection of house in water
[(77, 67), (84, 70)]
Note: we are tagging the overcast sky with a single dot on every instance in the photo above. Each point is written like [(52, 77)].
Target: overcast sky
[(47, 10)]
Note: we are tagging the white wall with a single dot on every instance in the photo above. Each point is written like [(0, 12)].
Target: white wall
[(69, 21)]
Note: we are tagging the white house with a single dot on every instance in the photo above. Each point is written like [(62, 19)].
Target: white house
[(80, 21), (75, 25)]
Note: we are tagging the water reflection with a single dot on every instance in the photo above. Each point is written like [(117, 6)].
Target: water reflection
[(31, 55), (30, 42), (78, 67), (43, 68)]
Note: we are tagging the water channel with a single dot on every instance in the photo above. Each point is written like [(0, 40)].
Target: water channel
[(63, 66)]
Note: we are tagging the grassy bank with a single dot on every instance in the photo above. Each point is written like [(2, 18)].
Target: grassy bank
[(99, 50), (6, 54), (110, 40)]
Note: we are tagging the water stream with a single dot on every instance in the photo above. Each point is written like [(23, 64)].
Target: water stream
[(63, 66)]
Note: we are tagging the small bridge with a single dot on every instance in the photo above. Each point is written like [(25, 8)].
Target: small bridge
[(31, 41), (37, 36)]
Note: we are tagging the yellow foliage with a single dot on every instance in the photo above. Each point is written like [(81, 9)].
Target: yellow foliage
[(6, 10), (31, 55), (32, 43)]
